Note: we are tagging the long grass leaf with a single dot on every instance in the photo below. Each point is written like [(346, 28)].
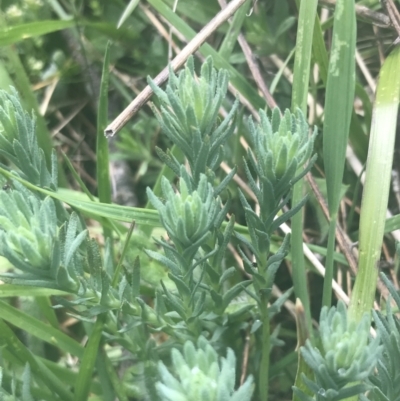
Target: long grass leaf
[(13, 34), (10, 341), (12, 290), (231, 36), (103, 173), (39, 329), (67, 375), (339, 97), (82, 385), (377, 184), (127, 12), (301, 77), (302, 61)]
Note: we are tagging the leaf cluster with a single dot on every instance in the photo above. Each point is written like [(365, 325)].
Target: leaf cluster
[(189, 117), (19, 145), (202, 376), (346, 358)]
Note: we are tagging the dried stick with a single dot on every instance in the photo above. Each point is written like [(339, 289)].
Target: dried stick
[(393, 14)]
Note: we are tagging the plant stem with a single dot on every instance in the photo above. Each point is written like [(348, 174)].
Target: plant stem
[(263, 380)]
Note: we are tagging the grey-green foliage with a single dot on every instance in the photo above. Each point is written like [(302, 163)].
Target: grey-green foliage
[(49, 253), (19, 145), (47, 246), (189, 117), (346, 358), (193, 215), (386, 381), (188, 215), (28, 227), (201, 376), (192, 218), (280, 146), (30, 239)]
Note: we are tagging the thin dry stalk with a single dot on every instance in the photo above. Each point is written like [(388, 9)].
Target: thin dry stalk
[(393, 14), (343, 240), (245, 357)]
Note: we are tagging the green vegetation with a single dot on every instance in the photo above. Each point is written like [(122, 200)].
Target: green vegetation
[(195, 210)]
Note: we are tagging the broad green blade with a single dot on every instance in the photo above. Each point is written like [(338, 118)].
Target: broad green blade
[(39, 329), (392, 224), (231, 36), (82, 385), (127, 12), (102, 165), (339, 100), (302, 61), (110, 211), (377, 184), (11, 35), (12, 290), (19, 352), (301, 78)]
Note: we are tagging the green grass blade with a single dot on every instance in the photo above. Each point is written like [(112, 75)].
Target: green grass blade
[(67, 375), (105, 367), (105, 222), (82, 385), (301, 77), (11, 35), (47, 310), (377, 184), (103, 173), (392, 223), (319, 50), (279, 74), (127, 12), (8, 378), (77, 177), (339, 99), (118, 268), (12, 290), (231, 36), (39, 329), (95, 209), (302, 61), (19, 352)]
